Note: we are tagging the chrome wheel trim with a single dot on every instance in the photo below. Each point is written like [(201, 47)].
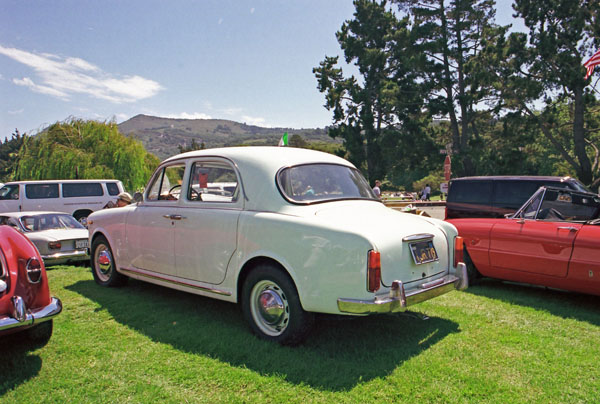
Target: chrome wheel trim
[(103, 262), (269, 307)]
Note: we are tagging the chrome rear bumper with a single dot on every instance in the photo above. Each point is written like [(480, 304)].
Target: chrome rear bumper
[(21, 317), (63, 257), (399, 299)]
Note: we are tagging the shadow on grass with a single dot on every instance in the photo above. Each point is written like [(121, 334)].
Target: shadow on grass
[(337, 355), (18, 364), (559, 303)]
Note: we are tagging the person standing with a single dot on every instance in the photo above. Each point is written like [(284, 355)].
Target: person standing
[(377, 189), (426, 193)]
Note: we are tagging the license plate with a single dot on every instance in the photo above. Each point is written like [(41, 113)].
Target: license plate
[(423, 252), (81, 244)]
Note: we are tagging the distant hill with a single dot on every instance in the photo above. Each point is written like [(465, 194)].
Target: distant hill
[(161, 136)]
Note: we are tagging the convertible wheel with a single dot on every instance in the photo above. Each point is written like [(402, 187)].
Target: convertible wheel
[(103, 264), (472, 272), (272, 307)]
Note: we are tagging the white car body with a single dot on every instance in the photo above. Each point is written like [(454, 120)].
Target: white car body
[(210, 246), (70, 238)]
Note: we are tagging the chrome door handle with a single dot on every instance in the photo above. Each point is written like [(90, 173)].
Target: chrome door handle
[(174, 217), (567, 228)]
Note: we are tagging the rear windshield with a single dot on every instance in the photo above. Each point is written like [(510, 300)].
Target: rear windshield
[(310, 183)]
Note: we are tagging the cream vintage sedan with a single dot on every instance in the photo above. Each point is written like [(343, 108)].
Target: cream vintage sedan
[(296, 232)]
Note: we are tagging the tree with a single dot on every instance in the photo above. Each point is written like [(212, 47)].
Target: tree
[(85, 150), (366, 107), (545, 69), (9, 155), (453, 35), (192, 147)]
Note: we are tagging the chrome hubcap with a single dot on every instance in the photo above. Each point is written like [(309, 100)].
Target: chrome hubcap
[(103, 260), (269, 307)]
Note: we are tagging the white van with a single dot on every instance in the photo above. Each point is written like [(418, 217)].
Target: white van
[(77, 197)]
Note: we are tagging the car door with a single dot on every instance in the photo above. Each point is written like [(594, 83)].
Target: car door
[(539, 241), (206, 236), (150, 226)]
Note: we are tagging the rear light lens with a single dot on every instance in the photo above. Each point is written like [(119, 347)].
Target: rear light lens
[(34, 270), (458, 250), (374, 271), (54, 245)]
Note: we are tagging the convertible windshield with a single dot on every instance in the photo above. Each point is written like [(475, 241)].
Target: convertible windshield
[(49, 221), (323, 182)]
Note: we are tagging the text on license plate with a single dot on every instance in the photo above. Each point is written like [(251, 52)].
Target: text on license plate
[(423, 252), (81, 244)]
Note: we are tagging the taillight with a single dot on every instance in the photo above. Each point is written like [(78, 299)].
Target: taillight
[(34, 270), (458, 250), (54, 245), (374, 271)]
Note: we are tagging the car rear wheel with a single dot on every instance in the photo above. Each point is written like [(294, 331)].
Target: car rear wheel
[(103, 264), (272, 307), (472, 272)]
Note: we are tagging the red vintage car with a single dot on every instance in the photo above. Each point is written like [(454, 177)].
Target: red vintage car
[(553, 240), (25, 302)]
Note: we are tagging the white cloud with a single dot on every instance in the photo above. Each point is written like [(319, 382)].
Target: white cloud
[(256, 121), (62, 77), (220, 21), (252, 10), (16, 112), (193, 115)]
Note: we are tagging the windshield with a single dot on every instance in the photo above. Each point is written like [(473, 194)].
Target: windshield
[(49, 221), (323, 182)]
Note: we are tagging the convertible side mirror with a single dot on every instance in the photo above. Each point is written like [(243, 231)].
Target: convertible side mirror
[(138, 197)]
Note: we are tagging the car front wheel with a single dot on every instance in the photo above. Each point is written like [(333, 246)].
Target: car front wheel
[(272, 307), (103, 264)]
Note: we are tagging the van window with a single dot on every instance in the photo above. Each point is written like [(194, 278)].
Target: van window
[(113, 188), (72, 190), (479, 192), (41, 191), (9, 192)]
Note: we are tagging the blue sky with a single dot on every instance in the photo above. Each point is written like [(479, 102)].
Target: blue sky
[(247, 61)]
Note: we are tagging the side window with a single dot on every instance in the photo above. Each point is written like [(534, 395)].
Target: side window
[(565, 206), (476, 192), (9, 192), (213, 182), (72, 190), (41, 191), (166, 185), (112, 188), (512, 194)]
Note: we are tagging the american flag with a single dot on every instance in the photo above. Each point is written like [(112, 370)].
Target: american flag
[(590, 64)]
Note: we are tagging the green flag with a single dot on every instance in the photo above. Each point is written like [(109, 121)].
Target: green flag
[(284, 140)]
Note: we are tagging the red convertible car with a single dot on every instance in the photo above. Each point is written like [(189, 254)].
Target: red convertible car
[(25, 302), (553, 240)]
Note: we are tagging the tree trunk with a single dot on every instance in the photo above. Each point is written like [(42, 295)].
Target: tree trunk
[(585, 166)]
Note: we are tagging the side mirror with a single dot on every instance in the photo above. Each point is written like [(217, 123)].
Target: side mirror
[(138, 197)]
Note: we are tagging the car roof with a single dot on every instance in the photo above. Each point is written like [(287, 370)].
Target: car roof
[(258, 166), (514, 177), (59, 181), (31, 213)]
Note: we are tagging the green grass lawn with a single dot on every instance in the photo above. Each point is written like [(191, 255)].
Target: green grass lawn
[(495, 343)]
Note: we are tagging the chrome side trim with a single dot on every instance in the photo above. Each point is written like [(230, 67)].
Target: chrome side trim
[(162, 278), (33, 316), (418, 237)]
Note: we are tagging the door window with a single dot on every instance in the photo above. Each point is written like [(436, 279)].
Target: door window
[(166, 185), (212, 182)]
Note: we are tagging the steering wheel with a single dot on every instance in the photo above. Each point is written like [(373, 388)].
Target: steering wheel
[(173, 194), (556, 214), (195, 195)]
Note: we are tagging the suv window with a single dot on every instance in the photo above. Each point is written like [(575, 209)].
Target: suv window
[(479, 192), (113, 188), (71, 190), (514, 193), (41, 191)]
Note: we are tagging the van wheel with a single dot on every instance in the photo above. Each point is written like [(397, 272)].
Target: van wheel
[(472, 272), (81, 216), (103, 264)]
